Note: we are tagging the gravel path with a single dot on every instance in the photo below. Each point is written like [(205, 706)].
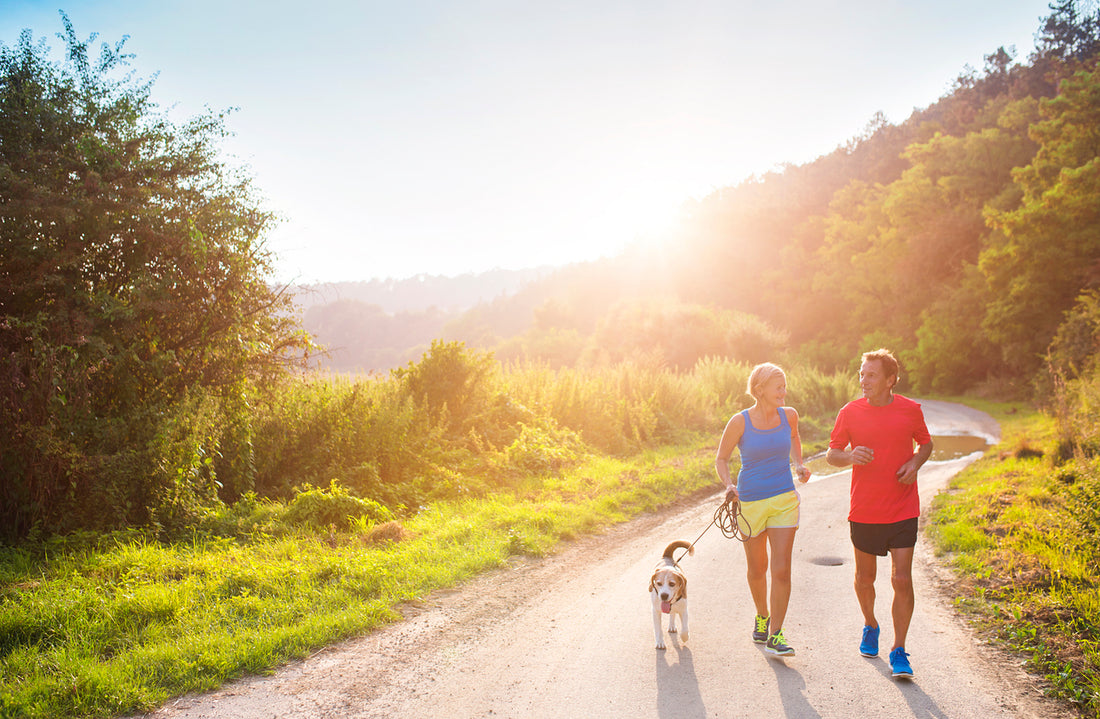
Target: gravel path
[(571, 636)]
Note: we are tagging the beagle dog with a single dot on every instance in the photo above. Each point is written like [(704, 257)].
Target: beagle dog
[(668, 592)]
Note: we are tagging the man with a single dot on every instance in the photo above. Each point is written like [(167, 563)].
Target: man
[(878, 431)]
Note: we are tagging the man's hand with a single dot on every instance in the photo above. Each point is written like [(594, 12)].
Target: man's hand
[(907, 473), (862, 455)]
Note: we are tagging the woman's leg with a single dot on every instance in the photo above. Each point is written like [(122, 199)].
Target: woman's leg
[(782, 545), (756, 560)]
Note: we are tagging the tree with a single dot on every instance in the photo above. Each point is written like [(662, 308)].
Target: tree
[(1069, 34), (454, 384), (1046, 251), (892, 251), (132, 285), (1075, 350), (953, 354)]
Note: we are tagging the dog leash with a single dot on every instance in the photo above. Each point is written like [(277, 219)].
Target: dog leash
[(725, 518)]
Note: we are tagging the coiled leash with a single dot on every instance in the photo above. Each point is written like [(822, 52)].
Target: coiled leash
[(725, 518)]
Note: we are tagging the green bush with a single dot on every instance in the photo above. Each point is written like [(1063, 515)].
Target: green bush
[(319, 509), (248, 516), (364, 431), (454, 384), (544, 450)]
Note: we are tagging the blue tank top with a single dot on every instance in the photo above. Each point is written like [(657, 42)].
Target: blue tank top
[(765, 460)]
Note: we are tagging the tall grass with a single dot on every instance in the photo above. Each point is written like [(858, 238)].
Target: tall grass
[(101, 626), (347, 496), (405, 450), (616, 409), (1020, 526)]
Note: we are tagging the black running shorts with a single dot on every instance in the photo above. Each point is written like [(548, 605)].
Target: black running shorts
[(881, 538)]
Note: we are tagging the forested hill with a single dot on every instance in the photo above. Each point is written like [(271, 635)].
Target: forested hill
[(961, 237), (377, 325)]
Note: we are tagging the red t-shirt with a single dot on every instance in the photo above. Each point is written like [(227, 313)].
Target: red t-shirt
[(877, 495)]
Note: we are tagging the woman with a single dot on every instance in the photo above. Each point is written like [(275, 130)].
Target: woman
[(767, 437)]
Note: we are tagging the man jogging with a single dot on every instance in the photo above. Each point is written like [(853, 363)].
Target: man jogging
[(875, 434)]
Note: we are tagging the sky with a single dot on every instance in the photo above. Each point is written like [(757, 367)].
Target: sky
[(412, 137)]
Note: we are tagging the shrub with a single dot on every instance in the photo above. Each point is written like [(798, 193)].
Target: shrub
[(544, 450), (452, 383), (317, 509)]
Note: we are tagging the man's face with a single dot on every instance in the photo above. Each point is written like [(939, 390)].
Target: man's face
[(874, 382)]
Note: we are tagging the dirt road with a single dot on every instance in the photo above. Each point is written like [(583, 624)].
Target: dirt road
[(571, 636)]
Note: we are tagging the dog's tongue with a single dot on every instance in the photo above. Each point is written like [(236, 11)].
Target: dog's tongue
[(666, 607)]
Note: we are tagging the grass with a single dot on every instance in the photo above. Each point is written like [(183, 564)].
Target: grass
[(1018, 526), (109, 625), (105, 625)]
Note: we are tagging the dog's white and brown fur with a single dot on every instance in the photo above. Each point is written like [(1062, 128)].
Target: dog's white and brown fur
[(668, 592)]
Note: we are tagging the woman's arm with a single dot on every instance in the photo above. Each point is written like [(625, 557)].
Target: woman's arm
[(800, 469), (731, 436)]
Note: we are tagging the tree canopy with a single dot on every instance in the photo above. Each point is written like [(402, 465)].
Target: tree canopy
[(133, 280)]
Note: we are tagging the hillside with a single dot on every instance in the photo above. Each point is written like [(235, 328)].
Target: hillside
[(376, 325), (983, 200), (422, 292)]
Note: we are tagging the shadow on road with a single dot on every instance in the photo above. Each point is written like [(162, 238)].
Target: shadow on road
[(922, 705), (678, 695), (792, 691)]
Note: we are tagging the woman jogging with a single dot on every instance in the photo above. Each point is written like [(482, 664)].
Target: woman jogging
[(767, 436)]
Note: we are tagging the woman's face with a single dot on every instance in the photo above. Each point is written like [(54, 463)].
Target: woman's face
[(774, 391)]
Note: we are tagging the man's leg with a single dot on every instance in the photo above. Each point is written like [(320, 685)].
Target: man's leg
[(901, 577), (866, 571)]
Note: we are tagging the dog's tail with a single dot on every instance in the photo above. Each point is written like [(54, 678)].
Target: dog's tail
[(678, 544)]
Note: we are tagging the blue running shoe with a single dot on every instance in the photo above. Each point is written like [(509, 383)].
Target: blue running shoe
[(899, 663), (869, 646)]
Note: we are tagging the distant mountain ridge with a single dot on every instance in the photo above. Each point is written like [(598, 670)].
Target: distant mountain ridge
[(422, 292)]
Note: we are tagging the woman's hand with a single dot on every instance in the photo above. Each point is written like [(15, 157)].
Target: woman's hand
[(803, 473)]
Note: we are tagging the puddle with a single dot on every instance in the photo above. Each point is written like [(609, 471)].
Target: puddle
[(944, 449)]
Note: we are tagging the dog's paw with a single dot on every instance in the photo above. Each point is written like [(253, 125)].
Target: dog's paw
[(683, 637), (661, 645)]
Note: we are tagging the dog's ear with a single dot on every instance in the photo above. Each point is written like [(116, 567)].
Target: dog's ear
[(683, 588), (652, 579)]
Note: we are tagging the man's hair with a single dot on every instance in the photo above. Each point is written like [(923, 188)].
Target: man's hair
[(886, 357), (761, 374)]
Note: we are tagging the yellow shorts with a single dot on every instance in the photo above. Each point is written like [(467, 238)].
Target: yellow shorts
[(778, 511)]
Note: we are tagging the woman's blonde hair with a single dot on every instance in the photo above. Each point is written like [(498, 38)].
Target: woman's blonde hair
[(761, 374)]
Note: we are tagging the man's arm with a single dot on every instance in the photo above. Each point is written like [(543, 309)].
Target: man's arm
[(842, 458), (907, 473)]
